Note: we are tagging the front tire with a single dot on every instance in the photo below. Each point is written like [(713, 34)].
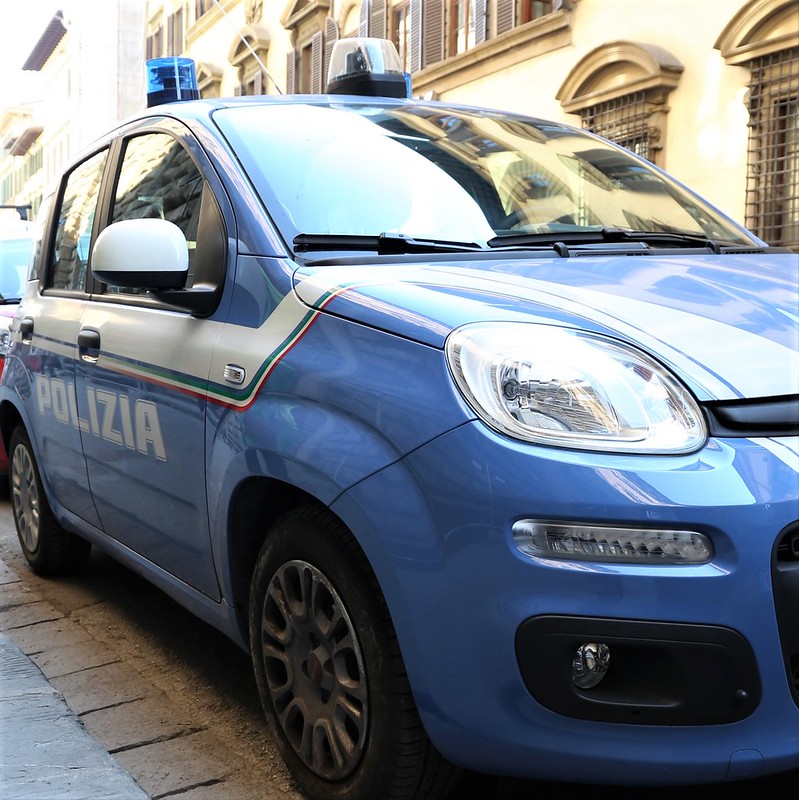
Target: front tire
[(329, 669), (48, 548)]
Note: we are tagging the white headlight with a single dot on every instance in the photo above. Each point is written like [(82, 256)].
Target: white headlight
[(569, 388)]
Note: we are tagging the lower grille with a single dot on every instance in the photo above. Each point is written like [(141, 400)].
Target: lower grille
[(785, 576)]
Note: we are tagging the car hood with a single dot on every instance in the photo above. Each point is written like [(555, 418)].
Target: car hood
[(727, 325)]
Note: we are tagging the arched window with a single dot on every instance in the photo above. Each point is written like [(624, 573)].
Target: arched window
[(248, 55), (764, 36), (209, 79), (312, 35), (620, 91)]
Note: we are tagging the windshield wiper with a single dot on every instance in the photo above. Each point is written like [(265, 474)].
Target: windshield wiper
[(383, 244), (575, 238)]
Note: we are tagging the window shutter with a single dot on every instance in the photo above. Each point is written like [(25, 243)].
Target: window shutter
[(258, 82), (331, 37), (363, 18), (506, 15), (377, 19), (317, 54), (290, 71), (478, 10), (433, 32), (237, 90), (415, 56)]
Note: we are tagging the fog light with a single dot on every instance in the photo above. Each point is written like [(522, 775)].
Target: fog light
[(590, 664), (619, 545)]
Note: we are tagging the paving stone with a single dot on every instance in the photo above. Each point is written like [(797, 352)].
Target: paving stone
[(101, 687), (59, 661), (140, 722), (27, 614), (34, 639), (7, 575), (46, 752), (176, 765), (16, 593), (233, 789)]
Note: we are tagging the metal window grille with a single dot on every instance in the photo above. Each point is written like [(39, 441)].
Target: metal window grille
[(623, 120), (772, 185)]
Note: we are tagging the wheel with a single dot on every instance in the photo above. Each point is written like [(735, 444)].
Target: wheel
[(49, 549), (329, 670)]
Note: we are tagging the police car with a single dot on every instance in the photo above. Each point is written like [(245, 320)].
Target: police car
[(477, 431)]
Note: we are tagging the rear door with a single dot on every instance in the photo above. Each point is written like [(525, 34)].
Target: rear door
[(41, 363)]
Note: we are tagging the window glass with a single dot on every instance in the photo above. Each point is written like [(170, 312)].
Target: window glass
[(70, 253), (159, 179), (462, 32), (401, 32), (533, 9)]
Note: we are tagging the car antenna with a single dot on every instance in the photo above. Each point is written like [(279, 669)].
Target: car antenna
[(249, 47)]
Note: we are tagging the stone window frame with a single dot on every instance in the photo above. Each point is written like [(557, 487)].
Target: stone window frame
[(312, 32), (621, 69), (209, 79), (763, 37), (251, 41)]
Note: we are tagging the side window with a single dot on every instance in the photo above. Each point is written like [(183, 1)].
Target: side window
[(158, 178), (70, 252)]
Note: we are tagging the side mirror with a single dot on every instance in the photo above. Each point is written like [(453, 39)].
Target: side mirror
[(141, 254)]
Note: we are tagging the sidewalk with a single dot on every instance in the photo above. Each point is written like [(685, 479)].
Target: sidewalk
[(45, 751), (79, 723)]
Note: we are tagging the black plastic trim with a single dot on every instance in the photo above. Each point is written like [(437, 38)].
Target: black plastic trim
[(660, 673), (785, 577), (770, 416)]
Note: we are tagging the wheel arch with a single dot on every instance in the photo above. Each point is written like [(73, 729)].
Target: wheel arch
[(10, 418), (255, 506)]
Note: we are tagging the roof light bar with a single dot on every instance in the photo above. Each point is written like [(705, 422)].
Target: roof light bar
[(367, 66), (170, 79)]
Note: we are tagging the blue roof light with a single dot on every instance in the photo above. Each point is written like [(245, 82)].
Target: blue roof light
[(169, 79)]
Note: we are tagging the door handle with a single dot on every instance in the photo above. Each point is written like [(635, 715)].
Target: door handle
[(89, 345)]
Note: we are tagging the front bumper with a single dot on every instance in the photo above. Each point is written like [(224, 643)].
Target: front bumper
[(704, 688)]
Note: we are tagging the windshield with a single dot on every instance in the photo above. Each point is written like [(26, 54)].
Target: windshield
[(452, 174)]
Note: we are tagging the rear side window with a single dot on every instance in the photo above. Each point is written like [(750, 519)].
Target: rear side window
[(70, 253)]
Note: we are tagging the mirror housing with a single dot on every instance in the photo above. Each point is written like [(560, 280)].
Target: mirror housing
[(151, 254), (141, 254)]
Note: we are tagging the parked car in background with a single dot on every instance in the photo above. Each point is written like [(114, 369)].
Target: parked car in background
[(16, 243), (477, 431)]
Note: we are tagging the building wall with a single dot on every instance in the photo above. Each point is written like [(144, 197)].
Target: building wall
[(92, 78)]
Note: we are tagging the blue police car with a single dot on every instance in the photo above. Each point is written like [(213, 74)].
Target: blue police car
[(478, 432)]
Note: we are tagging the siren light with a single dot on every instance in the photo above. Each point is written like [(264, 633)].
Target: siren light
[(169, 79), (367, 66)]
